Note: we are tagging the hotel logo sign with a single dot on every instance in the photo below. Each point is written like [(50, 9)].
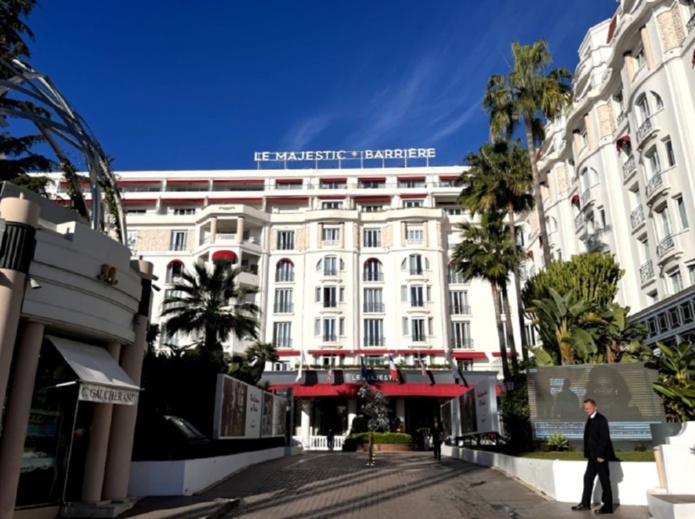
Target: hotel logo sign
[(298, 156)]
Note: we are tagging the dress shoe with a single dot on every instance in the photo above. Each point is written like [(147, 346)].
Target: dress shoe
[(604, 510), (580, 506)]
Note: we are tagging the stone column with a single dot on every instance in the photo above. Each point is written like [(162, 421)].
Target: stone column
[(629, 65), (98, 444), (589, 132), (17, 416), (400, 410), (21, 218), (342, 235), (306, 423), (240, 229), (647, 44), (319, 244), (425, 234), (577, 141), (213, 230), (403, 233), (352, 412), (117, 473)]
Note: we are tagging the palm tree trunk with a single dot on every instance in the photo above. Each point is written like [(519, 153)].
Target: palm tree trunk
[(510, 330), (517, 284), (537, 190), (500, 330)]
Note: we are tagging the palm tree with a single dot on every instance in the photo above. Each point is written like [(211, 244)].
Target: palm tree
[(499, 179), (257, 355), (210, 302), (486, 252), (527, 95)]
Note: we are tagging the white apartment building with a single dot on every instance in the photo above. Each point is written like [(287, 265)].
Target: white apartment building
[(347, 262), (620, 163)]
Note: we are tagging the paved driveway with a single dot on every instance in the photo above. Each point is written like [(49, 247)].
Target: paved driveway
[(402, 485)]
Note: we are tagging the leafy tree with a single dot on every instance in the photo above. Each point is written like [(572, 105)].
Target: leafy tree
[(486, 252), (528, 95), (623, 338), (249, 367), (211, 304), (676, 383), (499, 180), (377, 412)]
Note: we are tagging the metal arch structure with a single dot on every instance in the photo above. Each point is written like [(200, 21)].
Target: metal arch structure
[(31, 96)]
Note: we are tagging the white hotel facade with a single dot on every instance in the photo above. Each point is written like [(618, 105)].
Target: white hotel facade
[(347, 262), (620, 164)]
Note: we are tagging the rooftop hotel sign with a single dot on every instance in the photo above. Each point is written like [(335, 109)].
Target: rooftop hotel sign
[(340, 155)]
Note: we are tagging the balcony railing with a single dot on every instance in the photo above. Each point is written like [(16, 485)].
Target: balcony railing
[(629, 167), (691, 23), (416, 272), (646, 271), (578, 221), (330, 272), (373, 308), (282, 342), (331, 243), (413, 241), (621, 118), (654, 183), (330, 304), (283, 308), (284, 278), (459, 309), (644, 129), (329, 338), (637, 217), (374, 341), (665, 245), (640, 72), (586, 195), (462, 344), (455, 279), (373, 276)]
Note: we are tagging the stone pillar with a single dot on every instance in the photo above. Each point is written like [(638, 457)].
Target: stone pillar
[(342, 235), (240, 229), (17, 416), (213, 229), (319, 244), (117, 473), (403, 233), (647, 44), (577, 141), (352, 412), (400, 410), (21, 218), (629, 65), (98, 444), (306, 423), (589, 132), (425, 234)]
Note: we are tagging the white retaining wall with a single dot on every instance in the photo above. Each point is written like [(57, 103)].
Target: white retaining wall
[(563, 480), (186, 477)]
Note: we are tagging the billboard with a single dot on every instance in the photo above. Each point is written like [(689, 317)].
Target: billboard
[(622, 392), (243, 411), (473, 412)]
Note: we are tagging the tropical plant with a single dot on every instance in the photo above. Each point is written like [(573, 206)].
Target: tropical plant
[(499, 180), (516, 416), (376, 410), (530, 96), (558, 442), (621, 337), (209, 304), (249, 366), (676, 382), (486, 252)]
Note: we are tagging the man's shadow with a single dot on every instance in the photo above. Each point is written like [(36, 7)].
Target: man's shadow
[(617, 475)]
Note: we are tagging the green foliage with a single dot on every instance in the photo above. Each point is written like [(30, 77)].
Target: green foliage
[(382, 438), (578, 455), (558, 442), (249, 367), (676, 383), (516, 416)]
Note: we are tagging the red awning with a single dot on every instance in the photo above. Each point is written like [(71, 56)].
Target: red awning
[(288, 199), (498, 354), (390, 389), (224, 255), (372, 179), (182, 200), (241, 181), (622, 141), (413, 195), (140, 201), (448, 177), (372, 199), (416, 179), (530, 254), (468, 355), (289, 181), (332, 197), (191, 181), (233, 200), (286, 353), (372, 259), (174, 261), (327, 180), (286, 260), (328, 352)]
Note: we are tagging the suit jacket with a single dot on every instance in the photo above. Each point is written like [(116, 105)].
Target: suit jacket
[(597, 440)]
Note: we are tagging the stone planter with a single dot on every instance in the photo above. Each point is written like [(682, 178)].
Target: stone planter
[(386, 447)]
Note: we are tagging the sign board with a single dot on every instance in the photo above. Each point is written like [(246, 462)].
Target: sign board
[(474, 412), (108, 395), (323, 155)]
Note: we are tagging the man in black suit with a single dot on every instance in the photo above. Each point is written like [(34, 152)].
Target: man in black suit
[(598, 449)]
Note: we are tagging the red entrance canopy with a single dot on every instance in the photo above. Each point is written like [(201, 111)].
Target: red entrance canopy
[(224, 255), (390, 389)]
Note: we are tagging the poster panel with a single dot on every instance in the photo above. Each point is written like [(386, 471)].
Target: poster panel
[(254, 404), (473, 412), (267, 415)]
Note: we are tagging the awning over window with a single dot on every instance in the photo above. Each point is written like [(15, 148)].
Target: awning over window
[(102, 380), (224, 255), (621, 142), (575, 200)]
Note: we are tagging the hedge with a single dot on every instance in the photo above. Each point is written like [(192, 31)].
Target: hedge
[(381, 438)]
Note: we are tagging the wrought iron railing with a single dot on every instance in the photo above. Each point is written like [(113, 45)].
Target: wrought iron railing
[(644, 129), (665, 245), (646, 271), (637, 217), (629, 168)]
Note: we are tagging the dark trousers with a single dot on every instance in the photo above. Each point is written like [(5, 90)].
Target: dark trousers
[(593, 468), (437, 450)]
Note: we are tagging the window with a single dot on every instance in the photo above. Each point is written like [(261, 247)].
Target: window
[(653, 163), (373, 332), (681, 212), (327, 296), (372, 208), (132, 240), (418, 330), (180, 211), (691, 274), (458, 301), (416, 296), (453, 211), (372, 184), (670, 154), (281, 365), (414, 264), (430, 326), (341, 184), (372, 238), (658, 102), (653, 297), (282, 335), (288, 185), (413, 203), (170, 339), (174, 270), (676, 282), (645, 253), (172, 294), (135, 211), (411, 183), (179, 240), (372, 270), (663, 223), (373, 300), (330, 266), (414, 234), (640, 61), (642, 110), (285, 240), (283, 301), (284, 272), (331, 205), (461, 335), (454, 276), (406, 327), (329, 330), (330, 235)]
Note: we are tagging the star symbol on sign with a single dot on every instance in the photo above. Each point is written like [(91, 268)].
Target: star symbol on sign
[(354, 154)]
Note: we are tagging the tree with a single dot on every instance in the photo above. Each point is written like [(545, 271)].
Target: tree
[(249, 367), (676, 383), (527, 95), (486, 252), (499, 180), (376, 409), (209, 302)]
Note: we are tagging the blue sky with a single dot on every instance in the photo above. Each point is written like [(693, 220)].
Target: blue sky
[(202, 85)]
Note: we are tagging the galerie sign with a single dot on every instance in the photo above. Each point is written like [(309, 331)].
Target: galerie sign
[(297, 156), (108, 395)]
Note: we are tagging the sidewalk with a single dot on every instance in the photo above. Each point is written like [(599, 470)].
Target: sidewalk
[(181, 507), (402, 485)]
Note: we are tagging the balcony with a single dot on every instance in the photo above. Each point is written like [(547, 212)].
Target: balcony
[(330, 243), (578, 221), (374, 341), (646, 272), (373, 277), (330, 273), (461, 344), (283, 308), (455, 279), (373, 308), (629, 168), (640, 73), (644, 130), (284, 277), (586, 196), (593, 242), (326, 337), (459, 309), (621, 118), (637, 217), (414, 241), (282, 342), (654, 187), (665, 245), (691, 23)]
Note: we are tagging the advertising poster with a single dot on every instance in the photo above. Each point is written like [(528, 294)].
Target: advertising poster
[(254, 404), (474, 412), (267, 415), (230, 408)]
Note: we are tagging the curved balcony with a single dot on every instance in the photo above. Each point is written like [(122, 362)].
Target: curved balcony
[(655, 187), (586, 197), (646, 272), (578, 222), (645, 130), (629, 168), (691, 23), (667, 250), (637, 218)]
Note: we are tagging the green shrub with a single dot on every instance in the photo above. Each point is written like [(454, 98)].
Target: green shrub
[(381, 438), (558, 442)]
